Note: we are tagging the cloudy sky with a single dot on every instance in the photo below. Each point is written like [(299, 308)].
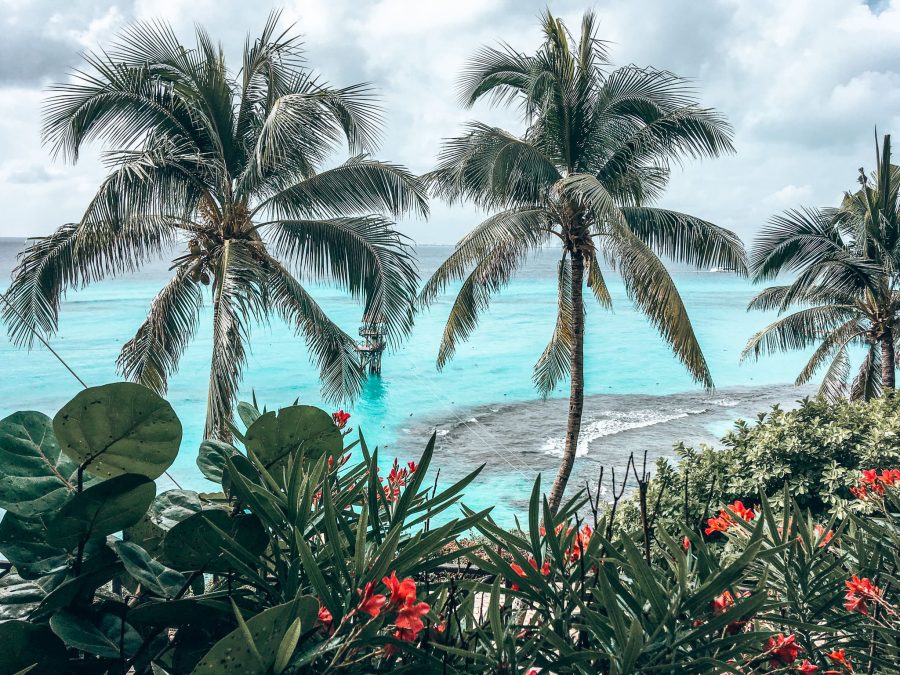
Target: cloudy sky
[(805, 84)]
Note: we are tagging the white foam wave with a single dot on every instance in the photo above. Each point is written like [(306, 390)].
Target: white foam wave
[(615, 422)]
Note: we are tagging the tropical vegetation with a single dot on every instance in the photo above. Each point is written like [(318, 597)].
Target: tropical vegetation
[(303, 560), (232, 167), (846, 291), (596, 150)]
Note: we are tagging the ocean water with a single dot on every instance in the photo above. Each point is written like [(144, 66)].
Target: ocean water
[(482, 406)]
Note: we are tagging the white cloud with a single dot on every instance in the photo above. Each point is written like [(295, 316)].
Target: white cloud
[(804, 83)]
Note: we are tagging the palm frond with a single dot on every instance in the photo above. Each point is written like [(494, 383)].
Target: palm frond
[(836, 341), (331, 349), (359, 186), (834, 383), (522, 225), (867, 383), (152, 355), (651, 288), (492, 168), (488, 277), (798, 330), (554, 363), (364, 255), (687, 239), (779, 297), (597, 283)]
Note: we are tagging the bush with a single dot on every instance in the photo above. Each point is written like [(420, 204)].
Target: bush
[(818, 450)]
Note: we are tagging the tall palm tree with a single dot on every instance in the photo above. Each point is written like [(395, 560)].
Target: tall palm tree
[(847, 288), (232, 166), (596, 150)]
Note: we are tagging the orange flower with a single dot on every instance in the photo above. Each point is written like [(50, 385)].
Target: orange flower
[(340, 418), (724, 521), (369, 603)]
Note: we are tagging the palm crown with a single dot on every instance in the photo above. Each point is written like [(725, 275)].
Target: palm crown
[(846, 261), (596, 149), (232, 167)]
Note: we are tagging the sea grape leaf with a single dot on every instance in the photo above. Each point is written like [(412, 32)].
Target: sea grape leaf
[(99, 568), (34, 475), (24, 543), (168, 509), (233, 654), (193, 544), (297, 430), (182, 612), (19, 597), (151, 574), (32, 648), (100, 636), (211, 458), (119, 428), (102, 509)]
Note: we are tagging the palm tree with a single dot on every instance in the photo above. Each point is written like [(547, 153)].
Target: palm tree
[(232, 166), (596, 150), (847, 262)]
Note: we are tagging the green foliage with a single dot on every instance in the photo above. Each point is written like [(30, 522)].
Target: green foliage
[(817, 449)]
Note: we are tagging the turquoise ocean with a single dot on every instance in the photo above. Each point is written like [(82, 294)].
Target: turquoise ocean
[(482, 406)]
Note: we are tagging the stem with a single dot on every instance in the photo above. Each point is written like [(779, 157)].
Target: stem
[(887, 359)]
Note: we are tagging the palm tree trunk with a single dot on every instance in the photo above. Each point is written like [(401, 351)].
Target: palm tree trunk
[(887, 359), (576, 395)]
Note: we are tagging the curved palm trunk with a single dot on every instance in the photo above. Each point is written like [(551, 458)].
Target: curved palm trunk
[(887, 359), (576, 395)]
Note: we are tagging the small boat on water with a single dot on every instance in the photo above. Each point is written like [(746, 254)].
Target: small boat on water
[(719, 270)]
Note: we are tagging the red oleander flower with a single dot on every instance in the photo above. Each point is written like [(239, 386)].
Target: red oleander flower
[(822, 536), (545, 568), (686, 543), (782, 650), (340, 418), (409, 617), (722, 603), (742, 511), (873, 483), (370, 603), (402, 592), (807, 667), (518, 570), (861, 594), (838, 656), (580, 543), (325, 617), (412, 466)]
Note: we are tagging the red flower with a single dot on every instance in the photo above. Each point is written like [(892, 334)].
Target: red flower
[(822, 536), (369, 603), (783, 650), (686, 544), (412, 466), (325, 617), (582, 539), (873, 483), (807, 667), (724, 521), (838, 656), (340, 418), (402, 592), (861, 594), (722, 604), (409, 617)]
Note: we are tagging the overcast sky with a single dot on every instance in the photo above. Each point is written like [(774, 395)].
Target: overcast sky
[(804, 82)]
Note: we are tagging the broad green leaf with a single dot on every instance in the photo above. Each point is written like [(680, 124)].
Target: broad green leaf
[(27, 645), (299, 430), (248, 413), (34, 475), (24, 544), (267, 630), (193, 544), (151, 574), (119, 428), (101, 635), (19, 597), (167, 510), (211, 458), (200, 611), (101, 510)]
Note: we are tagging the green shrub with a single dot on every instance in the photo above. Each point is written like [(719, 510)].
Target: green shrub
[(817, 449)]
